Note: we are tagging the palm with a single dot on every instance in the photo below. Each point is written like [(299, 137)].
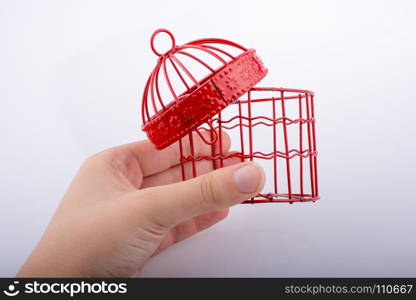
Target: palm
[(142, 166)]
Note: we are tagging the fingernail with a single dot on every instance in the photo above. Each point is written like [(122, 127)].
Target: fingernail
[(247, 178)]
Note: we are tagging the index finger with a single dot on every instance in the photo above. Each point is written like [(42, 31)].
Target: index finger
[(153, 161)]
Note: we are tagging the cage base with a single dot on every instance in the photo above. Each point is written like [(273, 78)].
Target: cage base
[(281, 198)]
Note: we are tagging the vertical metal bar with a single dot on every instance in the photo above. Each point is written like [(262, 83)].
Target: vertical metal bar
[(310, 145), (250, 130), (220, 140), (314, 146), (182, 160), (191, 147), (250, 127), (213, 145), (300, 146), (289, 183), (274, 146), (241, 130)]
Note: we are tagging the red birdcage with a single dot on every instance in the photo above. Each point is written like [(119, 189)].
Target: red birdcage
[(273, 126)]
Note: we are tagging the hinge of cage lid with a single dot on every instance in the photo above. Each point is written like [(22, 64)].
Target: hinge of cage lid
[(212, 131)]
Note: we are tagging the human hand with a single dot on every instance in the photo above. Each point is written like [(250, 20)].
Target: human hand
[(129, 203)]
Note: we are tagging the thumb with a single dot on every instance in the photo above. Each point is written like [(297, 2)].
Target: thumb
[(174, 203)]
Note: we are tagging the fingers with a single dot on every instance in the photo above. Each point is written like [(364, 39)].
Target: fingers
[(153, 161), (174, 174), (171, 204), (190, 227)]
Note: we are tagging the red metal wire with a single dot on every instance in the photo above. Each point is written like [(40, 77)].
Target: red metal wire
[(200, 110)]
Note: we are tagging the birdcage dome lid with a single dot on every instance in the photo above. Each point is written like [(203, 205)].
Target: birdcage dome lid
[(168, 119)]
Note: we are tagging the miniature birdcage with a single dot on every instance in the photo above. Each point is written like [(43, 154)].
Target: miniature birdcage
[(274, 127)]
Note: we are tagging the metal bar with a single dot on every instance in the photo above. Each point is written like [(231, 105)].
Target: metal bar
[(300, 146), (220, 141), (274, 147), (250, 130), (181, 160), (241, 130), (314, 146), (310, 146), (289, 183), (191, 146)]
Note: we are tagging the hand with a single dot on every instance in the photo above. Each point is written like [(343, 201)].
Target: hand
[(129, 203)]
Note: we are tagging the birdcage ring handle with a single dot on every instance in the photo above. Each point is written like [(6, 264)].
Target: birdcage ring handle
[(153, 38)]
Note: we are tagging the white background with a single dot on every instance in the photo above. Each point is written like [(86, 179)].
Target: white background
[(71, 78)]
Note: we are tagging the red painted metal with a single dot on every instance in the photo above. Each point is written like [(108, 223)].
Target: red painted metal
[(205, 98), (292, 168)]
